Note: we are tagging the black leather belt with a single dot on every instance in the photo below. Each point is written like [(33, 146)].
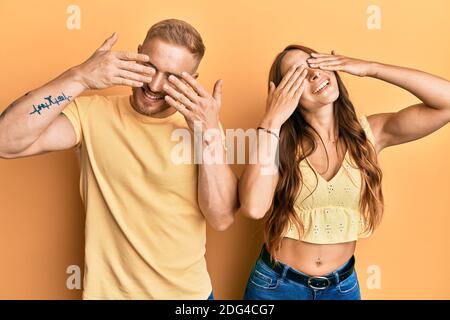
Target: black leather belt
[(318, 283)]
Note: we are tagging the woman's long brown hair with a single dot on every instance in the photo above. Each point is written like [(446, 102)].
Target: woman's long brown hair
[(297, 142)]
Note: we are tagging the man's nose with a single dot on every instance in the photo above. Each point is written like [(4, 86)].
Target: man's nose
[(157, 83)]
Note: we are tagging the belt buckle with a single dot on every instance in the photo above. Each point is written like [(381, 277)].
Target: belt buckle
[(321, 278)]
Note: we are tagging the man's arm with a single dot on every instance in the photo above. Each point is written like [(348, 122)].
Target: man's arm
[(24, 122), (59, 135), (217, 191), (33, 124), (217, 184)]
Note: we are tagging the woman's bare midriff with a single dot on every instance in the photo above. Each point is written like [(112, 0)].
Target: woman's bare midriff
[(314, 259)]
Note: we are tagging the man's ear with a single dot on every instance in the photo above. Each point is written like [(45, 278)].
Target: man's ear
[(139, 48), (195, 75)]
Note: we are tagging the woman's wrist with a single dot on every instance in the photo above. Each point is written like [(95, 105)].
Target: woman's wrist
[(270, 123), (273, 132), (372, 69)]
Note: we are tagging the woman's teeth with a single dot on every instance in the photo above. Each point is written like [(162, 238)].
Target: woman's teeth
[(151, 96), (323, 85)]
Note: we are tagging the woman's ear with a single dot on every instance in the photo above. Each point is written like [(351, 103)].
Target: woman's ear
[(139, 48), (195, 75)]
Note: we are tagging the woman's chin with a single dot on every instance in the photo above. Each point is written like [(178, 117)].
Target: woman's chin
[(329, 98)]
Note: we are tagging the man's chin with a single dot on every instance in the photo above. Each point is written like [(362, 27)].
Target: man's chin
[(153, 109)]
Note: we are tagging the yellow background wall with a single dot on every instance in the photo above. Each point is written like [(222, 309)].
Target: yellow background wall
[(41, 216)]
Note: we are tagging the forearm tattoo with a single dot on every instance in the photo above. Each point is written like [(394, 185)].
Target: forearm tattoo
[(49, 101)]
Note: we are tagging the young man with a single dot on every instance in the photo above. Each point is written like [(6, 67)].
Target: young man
[(145, 213)]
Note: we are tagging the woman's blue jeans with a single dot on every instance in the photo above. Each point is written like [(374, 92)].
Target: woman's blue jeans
[(266, 284)]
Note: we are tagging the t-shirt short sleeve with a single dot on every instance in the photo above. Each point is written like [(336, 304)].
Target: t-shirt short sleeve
[(76, 113), (366, 127)]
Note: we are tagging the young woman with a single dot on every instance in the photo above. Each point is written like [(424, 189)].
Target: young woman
[(325, 190)]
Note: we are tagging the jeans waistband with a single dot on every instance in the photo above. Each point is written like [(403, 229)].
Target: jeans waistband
[(314, 282)]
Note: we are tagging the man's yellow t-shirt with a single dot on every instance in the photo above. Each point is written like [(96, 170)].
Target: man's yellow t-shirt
[(145, 234)]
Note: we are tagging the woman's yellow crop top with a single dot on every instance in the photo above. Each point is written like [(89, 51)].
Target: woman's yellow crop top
[(331, 213)]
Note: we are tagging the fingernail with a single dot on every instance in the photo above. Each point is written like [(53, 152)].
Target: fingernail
[(184, 73), (171, 78), (165, 86)]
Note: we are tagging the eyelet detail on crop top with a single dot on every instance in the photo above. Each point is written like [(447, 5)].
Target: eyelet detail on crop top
[(331, 213)]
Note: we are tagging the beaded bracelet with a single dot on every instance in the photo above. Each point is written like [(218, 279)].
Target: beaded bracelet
[(268, 131)]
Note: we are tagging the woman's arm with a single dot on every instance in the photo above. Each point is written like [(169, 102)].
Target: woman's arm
[(259, 180), (408, 124)]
